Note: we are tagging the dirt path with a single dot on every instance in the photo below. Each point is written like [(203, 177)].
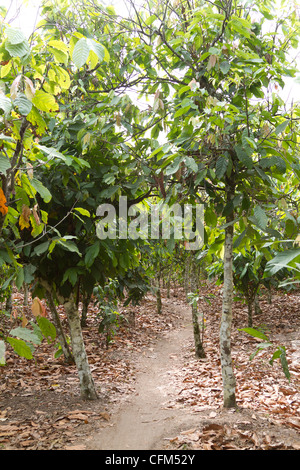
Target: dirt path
[(144, 421)]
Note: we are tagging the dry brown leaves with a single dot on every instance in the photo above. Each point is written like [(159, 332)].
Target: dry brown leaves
[(40, 406), (261, 388)]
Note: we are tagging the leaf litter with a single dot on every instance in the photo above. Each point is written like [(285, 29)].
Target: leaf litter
[(40, 406)]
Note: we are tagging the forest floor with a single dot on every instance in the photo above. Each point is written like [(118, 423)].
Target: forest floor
[(153, 393)]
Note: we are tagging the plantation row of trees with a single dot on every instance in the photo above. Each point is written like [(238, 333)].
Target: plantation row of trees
[(179, 102)]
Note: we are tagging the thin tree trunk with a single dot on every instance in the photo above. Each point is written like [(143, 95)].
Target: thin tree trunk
[(250, 310), (9, 302), (229, 383), (59, 329), (87, 386), (85, 305), (169, 282), (187, 268), (199, 350), (158, 292), (257, 308), (26, 292)]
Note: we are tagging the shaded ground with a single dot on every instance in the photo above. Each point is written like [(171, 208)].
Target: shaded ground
[(153, 393)]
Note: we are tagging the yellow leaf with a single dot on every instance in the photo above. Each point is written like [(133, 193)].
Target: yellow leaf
[(5, 69), (23, 224)]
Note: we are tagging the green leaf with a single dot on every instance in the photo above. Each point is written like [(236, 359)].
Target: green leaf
[(47, 328), (255, 333), (5, 104), (29, 271), (15, 35), (25, 334), (280, 353), (60, 45), (81, 52), (53, 153), (69, 246), (225, 67), (42, 190), (181, 111), (261, 217), (20, 347), (281, 128), (20, 277), (18, 50), (82, 211), (44, 101), (281, 260), (2, 353), (150, 20), (4, 164), (99, 49), (91, 254), (40, 249), (221, 167), (7, 138), (191, 164), (71, 274), (243, 156), (23, 104)]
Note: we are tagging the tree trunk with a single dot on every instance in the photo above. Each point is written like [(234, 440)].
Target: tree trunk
[(250, 310), (226, 321), (187, 268), (26, 292), (158, 292), (59, 329), (9, 303), (199, 350), (169, 282), (85, 305), (87, 386), (257, 308)]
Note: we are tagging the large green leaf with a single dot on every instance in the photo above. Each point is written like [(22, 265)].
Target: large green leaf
[(243, 156), (5, 104), (91, 254), (261, 217), (41, 189), (18, 50), (81, 52), (281, 128), (282, 260), (69, 246), (15, 35), (97, 48), (221, 167), (45, 101), (23, 104), (47, 328), (25, 334), (20, 347), (255, 333), (4, 164)]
